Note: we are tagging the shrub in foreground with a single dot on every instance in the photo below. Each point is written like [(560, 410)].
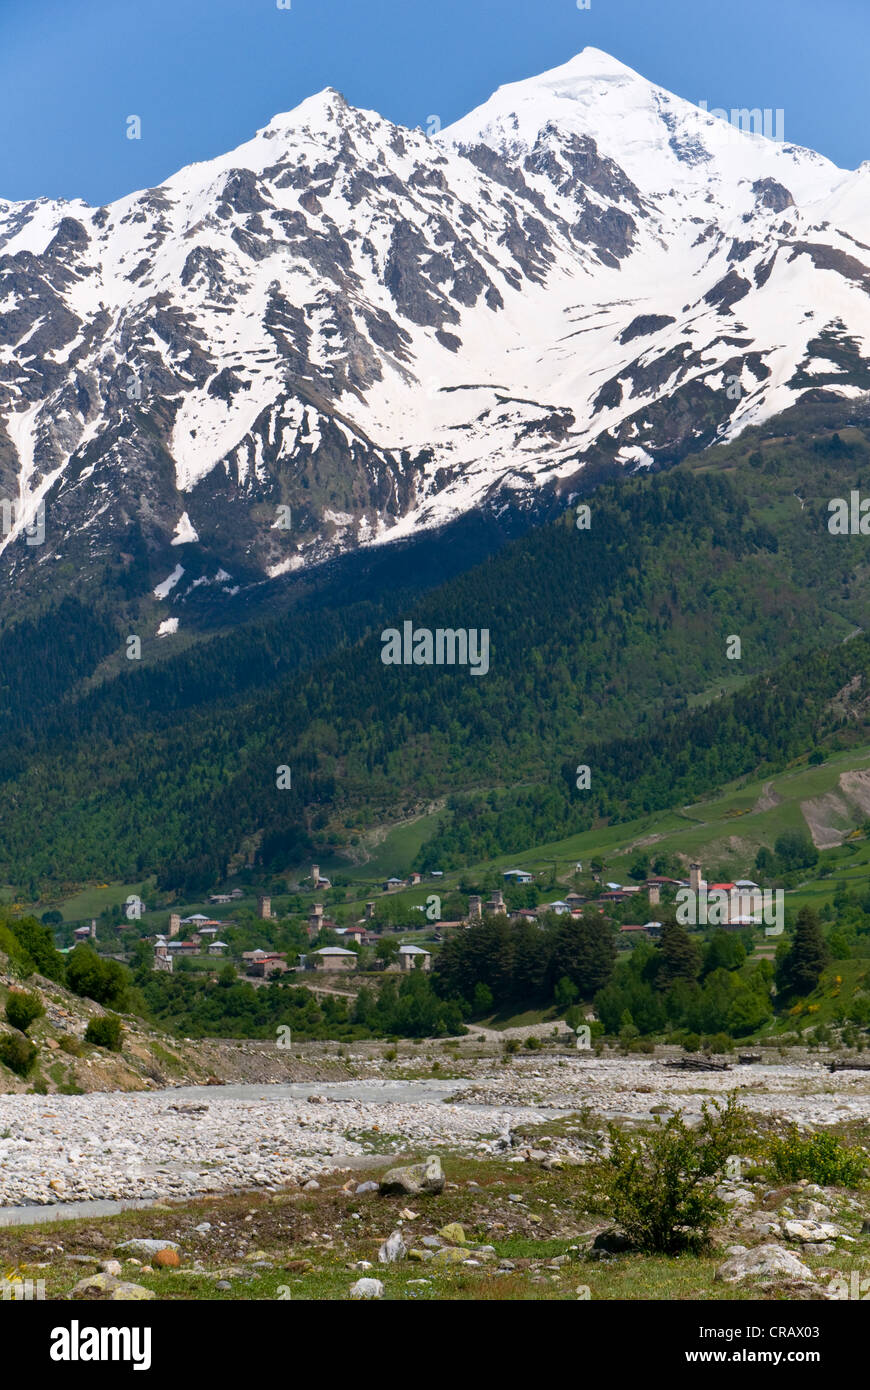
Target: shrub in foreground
[(821, 1158), (660, 1186)]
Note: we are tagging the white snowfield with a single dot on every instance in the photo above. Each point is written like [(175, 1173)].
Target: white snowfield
[(432, 299)]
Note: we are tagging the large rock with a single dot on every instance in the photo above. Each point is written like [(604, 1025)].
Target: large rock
[(450, 1255), (414, 1180), (367, 1288), (131, 1293), (764, 1262), (146, 1248), (95, 1286), (612, 1241), (393, 1249), (453, 1234), (810, 1232)]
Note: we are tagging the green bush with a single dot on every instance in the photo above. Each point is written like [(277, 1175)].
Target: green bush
[(511, 1045), (821, 1158), (17, 1053), (92, 977), (719, 1042), (105, 1032), (533, 1043), (660, 1186), (71, 1045), (22, 1009)]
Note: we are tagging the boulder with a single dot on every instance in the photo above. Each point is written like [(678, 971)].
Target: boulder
[(763, 1262), (810, 1232), (453, 1234), (613, 1241), (366, 1187), (146, 1248), (131, 1293), (95, 1286), (112, 1267), (450, 1255), (367, 1288), (393, 1249), (414, 1180)]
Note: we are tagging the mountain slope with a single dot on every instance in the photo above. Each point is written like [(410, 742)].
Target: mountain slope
[(595, 636), (378, 331)]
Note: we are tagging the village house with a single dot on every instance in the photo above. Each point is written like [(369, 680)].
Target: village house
[(524, 914), (217, 948), (391, 884), (495, 906), (651, 929), (162, 956), (356, 933), (266, 963), (331, 958), (414, 958), (517, 876), (184, 948)]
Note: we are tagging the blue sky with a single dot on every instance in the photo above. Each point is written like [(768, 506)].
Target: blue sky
[(203, 75)]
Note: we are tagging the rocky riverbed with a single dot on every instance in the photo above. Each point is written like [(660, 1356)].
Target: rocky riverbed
[(188, 1141)]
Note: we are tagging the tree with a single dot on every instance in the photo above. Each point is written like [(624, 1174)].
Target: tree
[(89, 975), (679, 956), (387, 948), (482, 999), (795, 850), (565, 993), (799, 969), (38, 942), (724, 951)]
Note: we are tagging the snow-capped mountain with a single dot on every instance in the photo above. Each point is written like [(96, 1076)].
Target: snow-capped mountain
[(345, 330)]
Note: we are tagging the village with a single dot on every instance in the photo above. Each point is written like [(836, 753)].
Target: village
[(328, 946)]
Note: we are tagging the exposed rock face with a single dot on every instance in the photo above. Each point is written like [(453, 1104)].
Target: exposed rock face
[(376, 331)]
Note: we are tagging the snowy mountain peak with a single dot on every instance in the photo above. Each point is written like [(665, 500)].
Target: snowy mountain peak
[(377, 331)]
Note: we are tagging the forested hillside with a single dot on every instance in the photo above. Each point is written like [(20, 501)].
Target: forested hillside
[(609, 646)]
